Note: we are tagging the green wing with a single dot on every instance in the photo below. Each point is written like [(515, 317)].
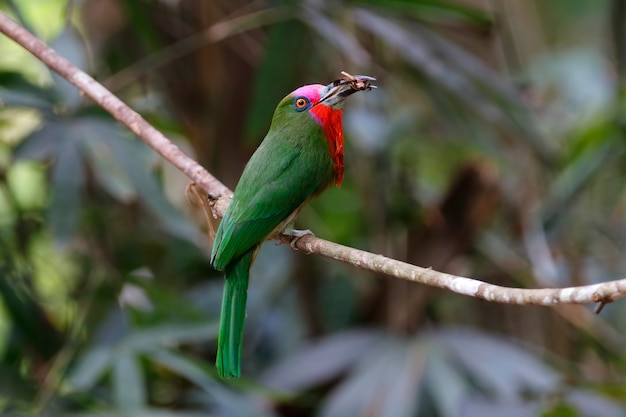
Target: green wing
[(279, 178)]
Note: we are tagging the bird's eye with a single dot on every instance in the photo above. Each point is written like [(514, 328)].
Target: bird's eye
[(301, 103)]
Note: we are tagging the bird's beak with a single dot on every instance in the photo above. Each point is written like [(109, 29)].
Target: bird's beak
[(334, 93)]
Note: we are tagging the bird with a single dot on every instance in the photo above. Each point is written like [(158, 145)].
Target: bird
[(301, 156)]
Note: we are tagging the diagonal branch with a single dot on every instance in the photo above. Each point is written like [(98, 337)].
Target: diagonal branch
[(599, 293)]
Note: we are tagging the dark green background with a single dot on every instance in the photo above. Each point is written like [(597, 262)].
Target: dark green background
[(493, 148)]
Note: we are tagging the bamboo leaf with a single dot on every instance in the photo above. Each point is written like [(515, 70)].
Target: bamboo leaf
[(90, 368), (129, 387), (43, 143), (321, 361), (69, 45), (68, 180)]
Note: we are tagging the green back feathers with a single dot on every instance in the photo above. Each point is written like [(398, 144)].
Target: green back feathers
[(290, 166)]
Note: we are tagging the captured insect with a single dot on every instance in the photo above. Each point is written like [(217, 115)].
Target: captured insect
[(353, 82), (357, 82)]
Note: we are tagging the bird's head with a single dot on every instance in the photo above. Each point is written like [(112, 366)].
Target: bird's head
[(324, 101), (311, 97), (323, 104)]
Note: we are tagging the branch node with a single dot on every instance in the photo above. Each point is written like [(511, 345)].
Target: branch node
[(601, 305), (213, 197), (602, 301)]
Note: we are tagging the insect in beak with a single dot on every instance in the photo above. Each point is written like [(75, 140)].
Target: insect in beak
[(341, 88)]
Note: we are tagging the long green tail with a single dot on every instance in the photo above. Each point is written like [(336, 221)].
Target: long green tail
[(232, 317)]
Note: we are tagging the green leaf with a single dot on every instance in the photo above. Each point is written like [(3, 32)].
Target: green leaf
[(478, 406), (503, 368), (120, 164), (16, 98), (90, 368), (156, 304), (68, 180), (434, 9), (129, 387), (43, 143), (403, 394), (70, 45), (446, 385), (28, 183), (367, 387), (17, 91), (576, 176), (561, 410), (143, 26), (169, 334), (234, 404), (135, 158), (105, 167), (95, 363), (590, 403), (186, 368), (321, 361), (31, 321)]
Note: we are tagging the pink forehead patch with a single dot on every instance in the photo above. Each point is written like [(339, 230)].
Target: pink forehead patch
[(312, 92)]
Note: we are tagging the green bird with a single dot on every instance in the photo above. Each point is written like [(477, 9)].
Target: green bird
[(300, 157)]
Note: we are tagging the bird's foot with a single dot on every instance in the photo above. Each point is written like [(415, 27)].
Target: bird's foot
[(213, 197), (296, 235)]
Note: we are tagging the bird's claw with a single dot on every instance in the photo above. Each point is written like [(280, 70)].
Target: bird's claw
[(296, 235)]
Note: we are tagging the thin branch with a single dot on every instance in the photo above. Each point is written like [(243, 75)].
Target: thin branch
[(220, 197), (215, 33)]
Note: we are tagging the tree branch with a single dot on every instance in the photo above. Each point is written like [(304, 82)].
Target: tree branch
[(602, 293)]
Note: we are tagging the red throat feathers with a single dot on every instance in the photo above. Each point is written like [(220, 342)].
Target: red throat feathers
[(330, 119)]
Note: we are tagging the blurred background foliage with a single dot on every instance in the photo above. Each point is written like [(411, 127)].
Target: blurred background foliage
[(494, 148)]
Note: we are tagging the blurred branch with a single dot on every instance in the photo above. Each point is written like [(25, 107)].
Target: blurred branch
[(215, 33), (220, 197), (618, 26)]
